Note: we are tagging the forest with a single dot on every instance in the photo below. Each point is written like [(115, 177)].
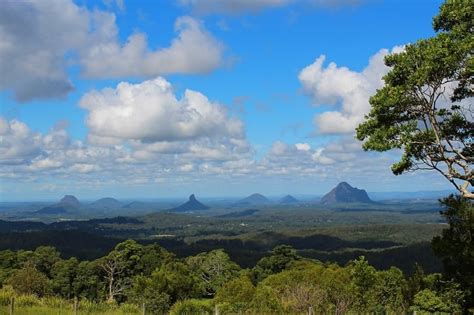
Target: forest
[(132, 277)]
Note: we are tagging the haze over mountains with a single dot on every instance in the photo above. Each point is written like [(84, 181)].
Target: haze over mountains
[(69, 206)]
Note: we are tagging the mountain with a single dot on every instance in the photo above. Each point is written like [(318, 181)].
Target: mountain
[(345, 193), (109, 203), (70, 200), (288, 199), (254, 199), (67, 204), (191, 205)]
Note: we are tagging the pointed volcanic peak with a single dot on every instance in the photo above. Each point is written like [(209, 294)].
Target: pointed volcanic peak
[(254, 199), (288, 199), (107, 202), (345, 193), (191, 205)]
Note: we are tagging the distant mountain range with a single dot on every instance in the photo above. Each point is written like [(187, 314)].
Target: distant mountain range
[(191, 205), (345, 193), (254, 199)]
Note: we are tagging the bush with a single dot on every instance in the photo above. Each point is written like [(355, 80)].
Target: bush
[(428, 301), (29, 280), (192, 306), (239, 290), (266, 301)]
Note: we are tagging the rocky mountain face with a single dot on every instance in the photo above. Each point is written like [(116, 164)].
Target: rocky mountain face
[(345, 193), (191, 205)]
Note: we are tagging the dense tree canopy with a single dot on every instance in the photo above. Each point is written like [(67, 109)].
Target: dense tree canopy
[(281, 282), (425, 107)]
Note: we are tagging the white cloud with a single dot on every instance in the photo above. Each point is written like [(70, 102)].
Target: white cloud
[(303, 146), (28, 156), (346, 89), (18, 143), (193, 51), (41, 39), (150, 112), (84, 168), (74, 165), (45, 164)]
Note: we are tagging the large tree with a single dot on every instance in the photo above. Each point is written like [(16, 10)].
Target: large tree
[(425, 107)]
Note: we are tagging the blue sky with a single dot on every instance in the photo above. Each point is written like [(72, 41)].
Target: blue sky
[(263, 126)]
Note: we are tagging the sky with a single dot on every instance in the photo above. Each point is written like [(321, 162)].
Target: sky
[(159, 99)]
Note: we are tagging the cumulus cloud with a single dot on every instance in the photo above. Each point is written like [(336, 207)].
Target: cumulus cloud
[(41, 39), (349, 91), (78, 165), (150, 112), (193, 51), (342, 159), (18, 144), (303, 146), (26, 155)]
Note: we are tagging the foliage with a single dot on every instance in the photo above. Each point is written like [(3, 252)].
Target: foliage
[(28, 280), (238, 290), (430, 302), (363, 277), (63, 274), (390, 291), (266, 301), (290, 285), (214, 268), (43, 258), (456, 244), (282, 257), (143, 291), (425, 106)]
